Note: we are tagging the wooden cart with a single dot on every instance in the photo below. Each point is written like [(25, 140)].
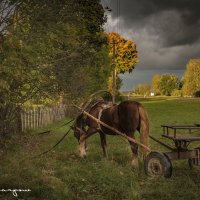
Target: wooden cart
[(159, 164)]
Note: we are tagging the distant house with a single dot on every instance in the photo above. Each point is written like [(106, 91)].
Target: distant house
[(152, 94)]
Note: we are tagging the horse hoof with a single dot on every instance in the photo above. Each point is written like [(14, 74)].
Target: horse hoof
[(82, 155), (135, 164), (105, 155)]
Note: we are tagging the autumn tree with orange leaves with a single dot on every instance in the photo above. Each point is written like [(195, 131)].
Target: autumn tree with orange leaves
[(126, 55), (191, 78)]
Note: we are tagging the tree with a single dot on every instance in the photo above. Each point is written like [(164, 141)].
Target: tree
[(143, 89), (155, 80), (168, 83), (191, 78), (46, 47), (147, 89), (140, 89), (126, 55), (7, 8), (68, 34), (118, 85)]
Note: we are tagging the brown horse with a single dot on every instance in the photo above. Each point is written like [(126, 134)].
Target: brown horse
[(126, 117)]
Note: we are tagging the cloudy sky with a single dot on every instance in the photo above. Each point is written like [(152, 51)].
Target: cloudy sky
[(167, 34)]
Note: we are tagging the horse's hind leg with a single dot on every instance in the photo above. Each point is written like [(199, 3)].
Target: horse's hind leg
[(103, 144), (82, 141), (134, 149)]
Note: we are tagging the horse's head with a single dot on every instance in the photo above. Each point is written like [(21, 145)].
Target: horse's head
[(82, 121)]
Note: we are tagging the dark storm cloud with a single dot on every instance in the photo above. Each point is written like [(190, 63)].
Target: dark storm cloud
[(176, 22), (166, 32)]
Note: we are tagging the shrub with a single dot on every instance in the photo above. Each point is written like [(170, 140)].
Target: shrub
[(197, 93), (177, 93)]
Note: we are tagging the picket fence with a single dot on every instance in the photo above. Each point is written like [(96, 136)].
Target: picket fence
[(39, 117)]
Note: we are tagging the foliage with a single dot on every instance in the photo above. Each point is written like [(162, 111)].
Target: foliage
[(48, 49), (165, 84), (155, 80), (197, 94), (177, 93), (7, 8), (126, 55), (168, 83), (143, 89), (191, 79)]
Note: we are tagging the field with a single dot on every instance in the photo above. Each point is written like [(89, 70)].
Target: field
[(61, 174)]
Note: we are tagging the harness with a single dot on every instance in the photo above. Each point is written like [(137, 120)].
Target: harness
[(103, 107)]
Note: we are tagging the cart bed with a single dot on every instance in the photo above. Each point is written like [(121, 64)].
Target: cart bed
[(170, 132), (182, 137)]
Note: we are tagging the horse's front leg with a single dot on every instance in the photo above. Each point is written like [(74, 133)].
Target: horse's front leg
[(82, 141), (103, 144), (134, 149)]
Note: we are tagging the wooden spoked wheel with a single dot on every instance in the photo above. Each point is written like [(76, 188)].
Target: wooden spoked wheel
[(157, 164)]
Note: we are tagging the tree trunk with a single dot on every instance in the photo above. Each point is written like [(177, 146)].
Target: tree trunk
[(10, 120)]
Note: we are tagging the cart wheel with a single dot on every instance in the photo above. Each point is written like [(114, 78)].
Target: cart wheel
[(158, 164), (194, 163)]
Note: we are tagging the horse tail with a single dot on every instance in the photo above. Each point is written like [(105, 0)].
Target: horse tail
[(144, 127)]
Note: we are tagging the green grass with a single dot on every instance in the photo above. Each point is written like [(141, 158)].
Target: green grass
[(61, 174)]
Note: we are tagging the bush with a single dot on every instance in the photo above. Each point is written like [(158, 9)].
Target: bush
[(177, 93), (197, 94)]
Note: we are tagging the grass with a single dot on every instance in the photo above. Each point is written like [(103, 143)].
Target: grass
[(61, 174)]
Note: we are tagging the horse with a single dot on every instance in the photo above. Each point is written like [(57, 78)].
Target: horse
[(126, 117)]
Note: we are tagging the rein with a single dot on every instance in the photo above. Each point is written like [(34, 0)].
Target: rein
[(57, 143)]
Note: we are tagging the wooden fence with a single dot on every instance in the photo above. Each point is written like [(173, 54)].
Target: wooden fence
[(38, 117)]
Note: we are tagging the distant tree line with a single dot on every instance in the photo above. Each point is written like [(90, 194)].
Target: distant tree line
[(170, 85), (143, 89), (165, 84)]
